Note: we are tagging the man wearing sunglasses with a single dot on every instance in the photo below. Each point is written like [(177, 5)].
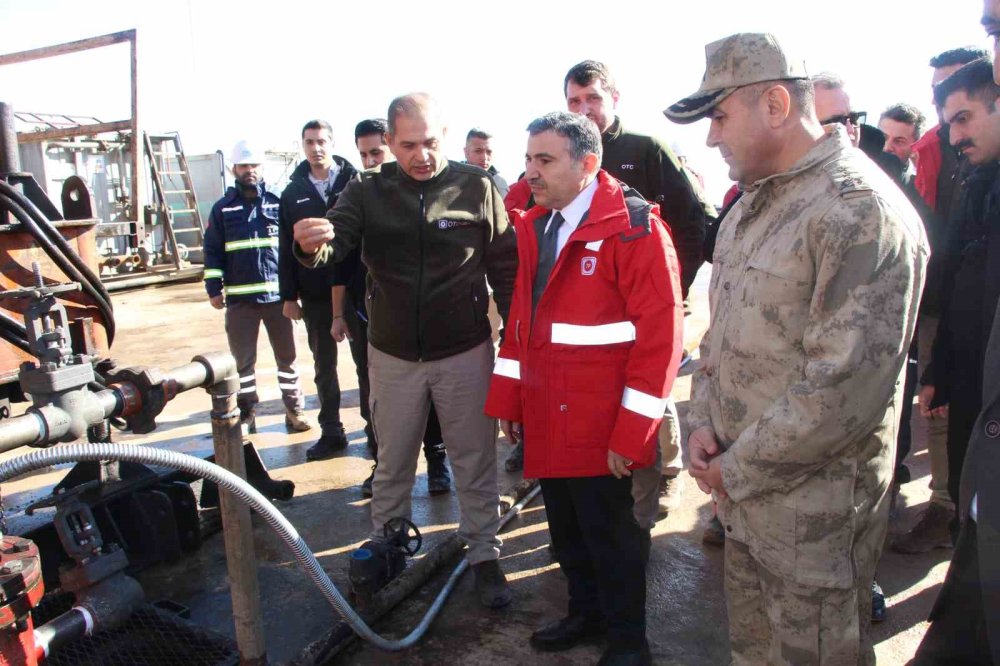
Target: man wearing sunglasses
[(833, 106)]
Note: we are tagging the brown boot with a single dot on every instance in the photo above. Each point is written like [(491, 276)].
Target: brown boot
[(669, 494), (930, 532)]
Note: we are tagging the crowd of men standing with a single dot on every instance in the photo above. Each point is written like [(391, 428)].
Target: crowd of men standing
[(845, 282)]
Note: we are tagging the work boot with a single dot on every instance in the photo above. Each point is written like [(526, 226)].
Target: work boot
[(879, 611), (438, 478), (327, 446), (515, 461), (491, 585), (669, 494), (248, 421), (296, 420), (714, 534), (366, 485), (930, 532)]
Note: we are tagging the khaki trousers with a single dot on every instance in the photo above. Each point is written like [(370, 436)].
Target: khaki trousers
[(401, 395), (775, 621), (646, 481), (936, 429)]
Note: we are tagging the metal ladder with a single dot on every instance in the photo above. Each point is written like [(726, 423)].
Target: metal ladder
[(175, 195)]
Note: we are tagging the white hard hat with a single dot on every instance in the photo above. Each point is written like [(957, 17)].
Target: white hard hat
[(246, 153)]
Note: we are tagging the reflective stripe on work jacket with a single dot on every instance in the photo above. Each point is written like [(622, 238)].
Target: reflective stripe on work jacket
[(256, 288), (603, 334), (250, 243)]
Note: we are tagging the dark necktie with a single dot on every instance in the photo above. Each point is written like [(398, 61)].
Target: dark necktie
[(547, 244)]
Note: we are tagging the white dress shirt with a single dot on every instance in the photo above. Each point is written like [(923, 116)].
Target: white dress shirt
[(573, 215)]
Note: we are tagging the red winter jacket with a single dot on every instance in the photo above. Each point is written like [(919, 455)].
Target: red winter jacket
[(594, 370), (518, 197), (928, 150)]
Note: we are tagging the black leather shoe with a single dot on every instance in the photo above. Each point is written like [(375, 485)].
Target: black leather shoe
[(613, 657), (327, 447), (438, 478), (568, 633)]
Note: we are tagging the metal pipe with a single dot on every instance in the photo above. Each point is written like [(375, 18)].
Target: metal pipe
[(60, 631), (189, 376), (21, 431), (237, 530), (10, 158)]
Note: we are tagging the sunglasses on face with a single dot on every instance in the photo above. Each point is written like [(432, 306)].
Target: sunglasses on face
[(854, 118)]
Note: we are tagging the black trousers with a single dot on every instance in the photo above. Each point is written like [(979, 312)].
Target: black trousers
[(963, 410), (957, 633), (318, 316), (603, 552), (358, 327)]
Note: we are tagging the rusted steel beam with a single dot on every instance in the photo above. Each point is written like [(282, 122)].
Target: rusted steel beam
[(68, 47), (66, 132)]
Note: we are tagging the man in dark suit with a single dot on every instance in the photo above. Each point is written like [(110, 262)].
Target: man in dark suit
[(965, 621)]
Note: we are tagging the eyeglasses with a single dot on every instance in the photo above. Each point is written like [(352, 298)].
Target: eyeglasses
[(855, 118)]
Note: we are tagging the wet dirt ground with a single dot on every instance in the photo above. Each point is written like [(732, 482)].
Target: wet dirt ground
[(166, 327)]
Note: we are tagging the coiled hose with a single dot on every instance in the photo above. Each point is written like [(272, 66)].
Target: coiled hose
[(248, 495)]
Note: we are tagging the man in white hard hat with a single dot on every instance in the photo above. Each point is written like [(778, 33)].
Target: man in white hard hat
[(241, 275)]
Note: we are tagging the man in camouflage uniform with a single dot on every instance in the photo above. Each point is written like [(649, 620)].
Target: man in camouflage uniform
[(794, 408)]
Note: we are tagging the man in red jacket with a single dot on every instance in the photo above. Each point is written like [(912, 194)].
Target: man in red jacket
[(591, 351)]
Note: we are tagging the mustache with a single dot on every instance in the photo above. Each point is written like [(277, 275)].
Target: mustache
[(963, 144)]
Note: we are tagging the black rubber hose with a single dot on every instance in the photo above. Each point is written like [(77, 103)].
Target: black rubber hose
[(14, 333), (56, 238), (59, 256), (54, 235)]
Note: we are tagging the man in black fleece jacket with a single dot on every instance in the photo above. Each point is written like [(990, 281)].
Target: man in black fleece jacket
[(431, 233)]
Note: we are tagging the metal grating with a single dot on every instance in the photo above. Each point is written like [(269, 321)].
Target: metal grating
[(151, 637)]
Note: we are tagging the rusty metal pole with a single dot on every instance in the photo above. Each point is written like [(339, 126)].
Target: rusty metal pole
[(10, 158), (237, 529)]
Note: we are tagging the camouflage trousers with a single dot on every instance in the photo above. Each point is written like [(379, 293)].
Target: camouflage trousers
[(773, 620)]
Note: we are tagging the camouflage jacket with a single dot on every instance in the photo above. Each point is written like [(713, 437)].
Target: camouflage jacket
[(815, 285)]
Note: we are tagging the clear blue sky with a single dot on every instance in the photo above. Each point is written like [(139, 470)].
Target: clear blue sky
[(218, 71)]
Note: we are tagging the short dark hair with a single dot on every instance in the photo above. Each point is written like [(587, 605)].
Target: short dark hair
[(370, 126), (317, 125), (584, 73), (960, 56), (583, 135), (476, 133), (902, 112), (975, 79)]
